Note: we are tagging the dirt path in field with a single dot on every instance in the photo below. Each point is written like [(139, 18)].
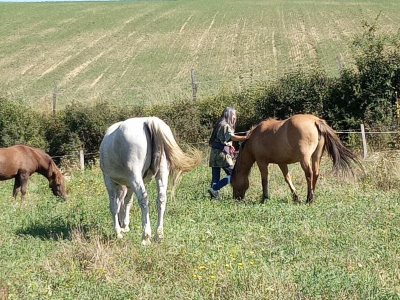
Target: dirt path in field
[(132, 54), (308, 41), (99, 77), (27, 69), (295, 51), (205, 34), (83, 66), (217, 35), (274, 51), (184, 24), (55, 66), (66, 59), (232, 43)]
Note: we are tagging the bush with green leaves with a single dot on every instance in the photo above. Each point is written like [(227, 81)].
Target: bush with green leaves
[(294, 93), (20, 125), (366, 93), (80, 126)]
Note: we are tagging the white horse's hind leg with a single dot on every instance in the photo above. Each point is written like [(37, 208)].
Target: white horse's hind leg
[(162, 183), (138, 187), (116, 194), (123, 216)]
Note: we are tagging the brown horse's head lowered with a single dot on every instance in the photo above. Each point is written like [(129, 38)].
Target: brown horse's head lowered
[(20, 162), (301, 138), (56, 181)]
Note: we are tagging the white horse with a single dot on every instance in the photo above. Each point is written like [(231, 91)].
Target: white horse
[(133, 152)]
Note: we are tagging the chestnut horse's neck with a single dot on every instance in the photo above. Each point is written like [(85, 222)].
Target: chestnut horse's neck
[(244, 163), (45, 165), (241, 171)]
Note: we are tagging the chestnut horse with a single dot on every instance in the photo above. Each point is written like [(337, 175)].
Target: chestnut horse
[(301, 138), (21, 161)]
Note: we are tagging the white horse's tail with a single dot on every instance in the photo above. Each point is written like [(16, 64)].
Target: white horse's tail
[(163, 141)]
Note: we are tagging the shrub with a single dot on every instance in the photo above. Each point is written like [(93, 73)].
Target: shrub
[(294, 93), (378, 64), (81, 126), (20, 125)]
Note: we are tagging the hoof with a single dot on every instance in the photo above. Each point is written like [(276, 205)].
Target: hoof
[(119, 235), (264, 199), (296, 199), (125, 229), (159, 235), (146, 242), (146, 238)]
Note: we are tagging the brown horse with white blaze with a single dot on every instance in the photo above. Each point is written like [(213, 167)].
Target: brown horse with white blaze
[(20, 162), (301, 138)]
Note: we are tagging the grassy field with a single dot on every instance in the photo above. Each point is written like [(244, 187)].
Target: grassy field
[(345, 246), (143, 51)]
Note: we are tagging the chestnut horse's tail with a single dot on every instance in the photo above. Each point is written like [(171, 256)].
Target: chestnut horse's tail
[(341, 157), (163, 141)]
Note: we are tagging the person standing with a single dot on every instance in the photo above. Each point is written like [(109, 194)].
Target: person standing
[(222, 151)]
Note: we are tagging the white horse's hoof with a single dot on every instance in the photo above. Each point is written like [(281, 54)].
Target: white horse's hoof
[(146, 242), (159, 235), (119, 235), (125, 229)]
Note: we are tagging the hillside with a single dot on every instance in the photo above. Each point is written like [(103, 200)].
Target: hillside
[(142, 51)]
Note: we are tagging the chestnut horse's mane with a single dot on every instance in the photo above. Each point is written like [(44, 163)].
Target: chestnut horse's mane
[(52, 165), (250, 131)]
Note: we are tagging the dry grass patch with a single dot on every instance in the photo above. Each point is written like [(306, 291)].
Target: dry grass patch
[(382, 170)]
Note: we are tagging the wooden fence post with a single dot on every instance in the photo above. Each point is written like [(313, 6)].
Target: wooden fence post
[(194, 86), (81, 160), (364, 141), (54, 98)]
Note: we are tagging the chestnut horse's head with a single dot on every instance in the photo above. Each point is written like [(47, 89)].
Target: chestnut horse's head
[(57, 182), (240, 174), (239, 184)]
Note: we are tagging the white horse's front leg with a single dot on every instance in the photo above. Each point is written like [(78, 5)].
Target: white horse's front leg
[(143, 200), (114, 208), (146, 229), (162, 183), (115, 194), (123, 216)]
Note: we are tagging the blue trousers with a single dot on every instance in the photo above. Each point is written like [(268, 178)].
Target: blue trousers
[(216, 183)]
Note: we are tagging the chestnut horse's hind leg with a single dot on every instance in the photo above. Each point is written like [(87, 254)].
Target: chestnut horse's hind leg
[(263, 167), (23, 179), (285, 171), (17, 186), (316, 161), (306, 166)]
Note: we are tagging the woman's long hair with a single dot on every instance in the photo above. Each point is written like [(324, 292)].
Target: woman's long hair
[(226, 117)]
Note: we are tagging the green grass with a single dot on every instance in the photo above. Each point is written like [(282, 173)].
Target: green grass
[(344, 246), (143, 51)]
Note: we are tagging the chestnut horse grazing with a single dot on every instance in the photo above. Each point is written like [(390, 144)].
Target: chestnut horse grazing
[(301, 138), (21, 161), (133, 152)]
